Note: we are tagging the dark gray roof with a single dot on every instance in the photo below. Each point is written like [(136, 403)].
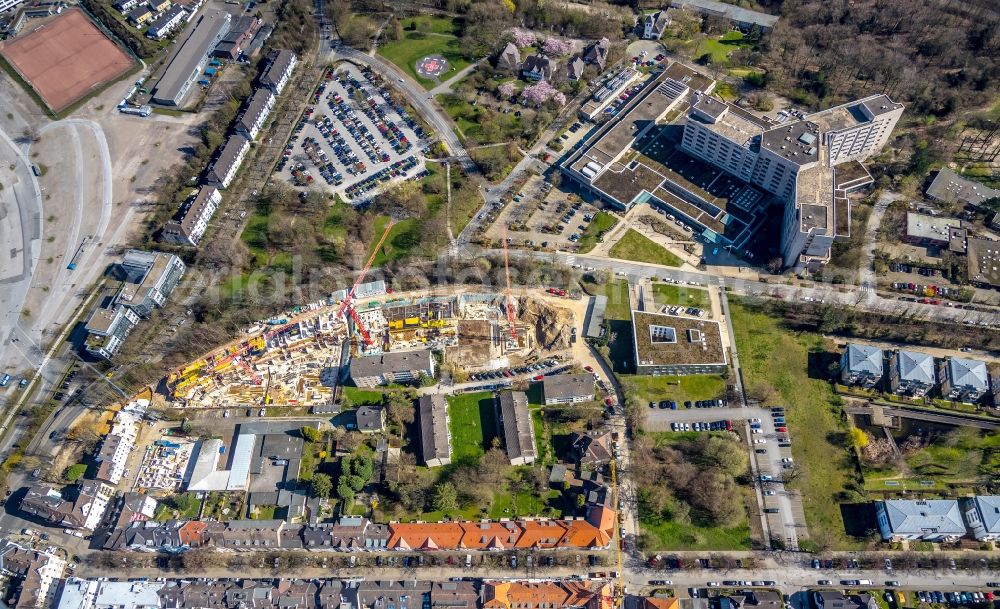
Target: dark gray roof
[(541, 64), (277, 65), (228, 155), (254, 109), (369, 418), (435, 440), (566, 386), (388, 363), (797, 142), (519, 434)]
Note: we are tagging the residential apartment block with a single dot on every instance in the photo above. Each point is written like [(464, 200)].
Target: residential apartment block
[(150, 278), (253, 116), (227, 162), (107, 329), (982, 515), (518, 432), (393, 367), (926, 520), (191, 220), (568, 388), (167, 22), (861, 365), (435, 431), (278, 69), (36, 572)]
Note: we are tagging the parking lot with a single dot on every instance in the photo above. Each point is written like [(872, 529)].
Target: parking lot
[(355, 139), (541, 216)]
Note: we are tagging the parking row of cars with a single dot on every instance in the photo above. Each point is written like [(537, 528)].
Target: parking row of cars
[(401, 167), (725, 425), (509, 372), (677, 310), (377, 114)]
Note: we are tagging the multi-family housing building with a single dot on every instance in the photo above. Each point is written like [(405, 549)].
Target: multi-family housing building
[(227, 162), (539, 67), (278, 69), (107, 329), (912, 373), (518, 432), (392, 367), (861, 365), (166, 22), (191, 221), (926, 520), (251, 119), (982, 515), (84, 512), (240, 33), (568, 388), (150, 277), (36, 572), (964, 380), (435, 430)]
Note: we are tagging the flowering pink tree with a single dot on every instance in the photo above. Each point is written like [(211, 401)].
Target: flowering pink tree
[(539, 93), (522, 38), (507, 89), (554, 46), (559, 98)]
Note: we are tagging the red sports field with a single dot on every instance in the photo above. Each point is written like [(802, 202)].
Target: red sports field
[(66, 59)]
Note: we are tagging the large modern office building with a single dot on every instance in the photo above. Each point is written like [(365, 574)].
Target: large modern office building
[(718, 167)]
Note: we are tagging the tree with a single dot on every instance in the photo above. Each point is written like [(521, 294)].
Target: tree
[(321, 486), (399, 407), (363, 467), (345, 492), (355, 482), (859, 439), (311, 434), (445, 497)]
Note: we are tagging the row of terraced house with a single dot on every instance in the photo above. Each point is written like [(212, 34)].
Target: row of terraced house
[(358, 534)]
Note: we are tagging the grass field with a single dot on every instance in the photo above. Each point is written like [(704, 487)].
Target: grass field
[(473, 424), (416, 45), (602, 223), (776, 363), (679, 388), (639, 248), (669, 294), (396, 243), (964, 457), (619, 306), (721, 47), (362, 396)]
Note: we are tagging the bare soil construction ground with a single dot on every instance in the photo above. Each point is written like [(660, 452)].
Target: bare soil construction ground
[(66, 59)]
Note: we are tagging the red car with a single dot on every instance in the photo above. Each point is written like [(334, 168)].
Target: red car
[(538, 378), (782, 429), (609, 401), (588, 368)]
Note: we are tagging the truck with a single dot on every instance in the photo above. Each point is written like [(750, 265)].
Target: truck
[(137, 110)]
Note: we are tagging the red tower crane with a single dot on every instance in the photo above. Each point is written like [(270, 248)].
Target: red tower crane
[(348, 304), (511, 318)]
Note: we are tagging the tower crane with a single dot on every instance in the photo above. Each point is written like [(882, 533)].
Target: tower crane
[(511, 318), (348, 304)]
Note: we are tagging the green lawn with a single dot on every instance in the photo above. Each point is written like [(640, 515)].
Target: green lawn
[(639, 248), (473, 424), (428, 23), (619, 305), (602, 223), (721, 47), (776, 363), (670, 294), (416, 45), (362, 396), (962, 458), (678, 388), (401, 239)]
